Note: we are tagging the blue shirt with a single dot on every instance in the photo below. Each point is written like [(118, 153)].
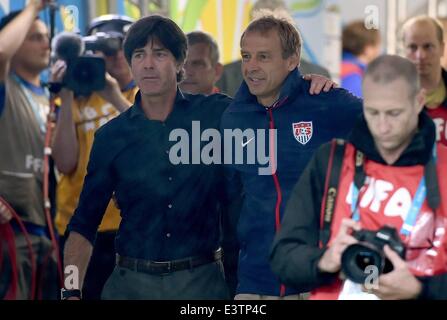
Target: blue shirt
[(168, 211)]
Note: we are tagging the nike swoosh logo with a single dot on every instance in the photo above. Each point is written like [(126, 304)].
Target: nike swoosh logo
[(246, 142)]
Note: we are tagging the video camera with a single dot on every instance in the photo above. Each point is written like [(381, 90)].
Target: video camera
[(85, 72), (369, 252)]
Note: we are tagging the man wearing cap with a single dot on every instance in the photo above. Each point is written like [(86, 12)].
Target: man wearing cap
[(78, 120)]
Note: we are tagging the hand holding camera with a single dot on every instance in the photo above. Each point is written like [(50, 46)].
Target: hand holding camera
[(399, 284), (330, 262)]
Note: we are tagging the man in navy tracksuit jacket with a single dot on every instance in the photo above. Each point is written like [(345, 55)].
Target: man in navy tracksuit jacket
[(302, 121)]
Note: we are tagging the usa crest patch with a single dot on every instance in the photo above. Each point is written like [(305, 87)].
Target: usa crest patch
[(302, 131)]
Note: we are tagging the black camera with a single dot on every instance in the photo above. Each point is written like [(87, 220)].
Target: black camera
[(108, 43), (85, 73), (369, 252)]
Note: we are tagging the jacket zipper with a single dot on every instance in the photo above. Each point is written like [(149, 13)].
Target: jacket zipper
[(275, 176)]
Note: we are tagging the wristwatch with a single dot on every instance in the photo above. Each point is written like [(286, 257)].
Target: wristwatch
[(66, 293)]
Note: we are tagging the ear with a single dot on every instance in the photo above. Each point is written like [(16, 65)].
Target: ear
[(421, 99), (218, 69), (180, 66), (294, 61)]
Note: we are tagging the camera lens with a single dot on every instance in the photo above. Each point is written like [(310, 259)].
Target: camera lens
[(363, 259), (357, 258)]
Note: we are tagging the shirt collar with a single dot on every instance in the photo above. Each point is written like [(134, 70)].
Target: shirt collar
[(137, 110)]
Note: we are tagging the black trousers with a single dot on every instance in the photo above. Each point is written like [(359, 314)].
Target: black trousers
[(201, 283)]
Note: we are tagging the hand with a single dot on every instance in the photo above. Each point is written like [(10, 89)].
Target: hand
[(112, 93), (331, 260), (399, 284), (57, 75), (111, 89), (319, 83), (58, 70), (5, 214)]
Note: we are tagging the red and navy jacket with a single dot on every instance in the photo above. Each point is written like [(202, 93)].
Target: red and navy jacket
[(351, 74), (439, 116), (385, 200), (303, 122)]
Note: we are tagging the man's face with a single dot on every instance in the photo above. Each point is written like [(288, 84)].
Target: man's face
[(391, 114), (154, 69), (423, 48), (263, 66), (34, 53), (201, 74)]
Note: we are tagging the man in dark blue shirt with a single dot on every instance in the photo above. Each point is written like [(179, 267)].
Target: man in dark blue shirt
[(170, 220)]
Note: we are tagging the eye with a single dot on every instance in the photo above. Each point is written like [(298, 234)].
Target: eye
[(138, 55), (245, 57), (395, 113), (429, 46), (412, 47)]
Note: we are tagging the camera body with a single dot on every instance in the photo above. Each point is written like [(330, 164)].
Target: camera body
[(86, 73), (108, 43), (369, 252)]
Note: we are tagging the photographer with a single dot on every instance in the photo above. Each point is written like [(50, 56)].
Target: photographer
[(78, 119), (387, 174)]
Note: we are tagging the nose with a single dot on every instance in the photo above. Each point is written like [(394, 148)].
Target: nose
[(148, 62), (420, 53), (46, 43), (384, 125), (251, 65), (188, 69)]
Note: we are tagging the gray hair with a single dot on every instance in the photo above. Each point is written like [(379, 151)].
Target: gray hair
[(196, 37)]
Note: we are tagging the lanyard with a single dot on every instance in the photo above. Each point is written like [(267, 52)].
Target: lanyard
[(415, 208), (38, 113)]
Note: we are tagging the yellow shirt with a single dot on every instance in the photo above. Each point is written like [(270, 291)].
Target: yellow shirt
[(436, 97), (88, 115)]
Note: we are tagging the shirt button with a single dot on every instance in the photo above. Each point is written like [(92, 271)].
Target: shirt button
[(170, 178), (168, 235), (170, 206)]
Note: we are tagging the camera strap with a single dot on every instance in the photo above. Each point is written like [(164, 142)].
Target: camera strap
[(331, 187)]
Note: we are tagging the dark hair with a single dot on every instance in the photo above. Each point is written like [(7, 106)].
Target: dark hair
[(156, 27), (388, 68), (289, 35), (8, 18), (196, 37), (356, 37)]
